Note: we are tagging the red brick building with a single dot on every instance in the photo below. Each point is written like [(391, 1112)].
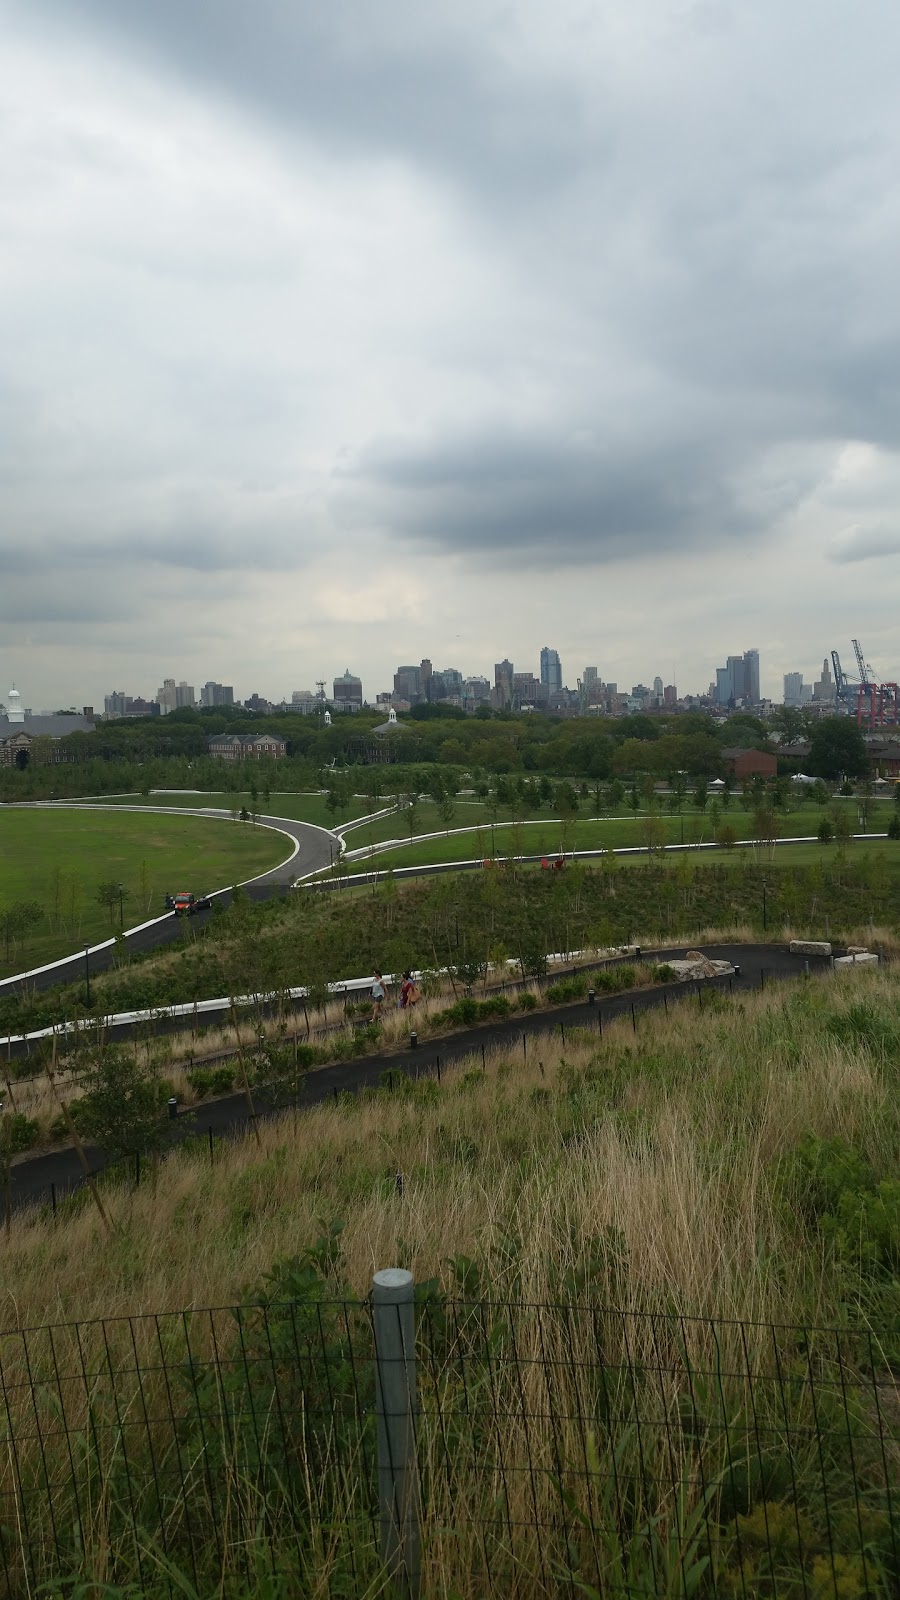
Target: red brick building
[(247, 747), (750, 763)]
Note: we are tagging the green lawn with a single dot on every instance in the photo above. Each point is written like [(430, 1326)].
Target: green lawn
[(299, 807), (547, 837), (59, 858)]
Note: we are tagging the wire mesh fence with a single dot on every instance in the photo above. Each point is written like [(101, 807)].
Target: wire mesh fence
[(558, 1450)]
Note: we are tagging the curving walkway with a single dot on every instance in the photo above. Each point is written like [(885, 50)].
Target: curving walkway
[(31, 1177), (312, 848)]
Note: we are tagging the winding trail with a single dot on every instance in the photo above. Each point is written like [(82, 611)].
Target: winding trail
[(45, 1179)]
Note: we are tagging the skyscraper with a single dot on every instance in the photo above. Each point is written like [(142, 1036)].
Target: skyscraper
[(793, 688), (751, 676), (348, 695), (738, 679), (551, 671), (504, 675)]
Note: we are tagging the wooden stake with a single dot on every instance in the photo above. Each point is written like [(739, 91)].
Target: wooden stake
[(82, 1155), (7, 1141), (240, 1047)]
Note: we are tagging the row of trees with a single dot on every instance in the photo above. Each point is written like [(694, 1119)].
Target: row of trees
[(153, 750)]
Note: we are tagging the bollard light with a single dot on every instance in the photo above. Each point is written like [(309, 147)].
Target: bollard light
[(414, 1040), (173, 1108), (591, 996)]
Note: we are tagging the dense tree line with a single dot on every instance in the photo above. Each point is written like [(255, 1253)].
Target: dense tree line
[(144, 753)]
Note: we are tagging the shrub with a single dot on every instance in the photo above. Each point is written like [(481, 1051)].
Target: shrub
[(121, 1108), (527, 1001), (18, 1133), (464, 1011), (664, 973), (822, 1170), (613, 979), (567, 989), (498, 1005)]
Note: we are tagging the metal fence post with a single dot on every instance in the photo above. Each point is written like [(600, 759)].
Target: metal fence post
[(393, 1317)]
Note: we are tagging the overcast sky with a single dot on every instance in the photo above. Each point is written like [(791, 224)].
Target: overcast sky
[(339, 335)]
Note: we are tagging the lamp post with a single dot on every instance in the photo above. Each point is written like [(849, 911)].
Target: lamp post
[(87, 975)]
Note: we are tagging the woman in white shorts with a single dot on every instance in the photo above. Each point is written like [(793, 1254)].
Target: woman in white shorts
[(379, 990)]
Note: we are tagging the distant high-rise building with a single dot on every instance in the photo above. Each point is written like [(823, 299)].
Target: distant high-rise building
[(751, 676), (551, 670), (670, 695), (166, 696), (117, 704), (348, 695), (504, 674), (303, 700), (526, 689), (737, 677), (658, 690), (793, 688), (425, 676), (407, 684), (590, 677), (217, 694), (476, 691), (823, 690), (738, 680), (257, 702)]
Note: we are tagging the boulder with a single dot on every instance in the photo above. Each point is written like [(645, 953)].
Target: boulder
[(695, 964), (865, 958), (809, 947)]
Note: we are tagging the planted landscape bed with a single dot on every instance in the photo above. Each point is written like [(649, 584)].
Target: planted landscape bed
[(465, 921)]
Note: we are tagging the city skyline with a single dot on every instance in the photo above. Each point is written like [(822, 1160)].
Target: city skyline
[(738, 682), (382, 333)]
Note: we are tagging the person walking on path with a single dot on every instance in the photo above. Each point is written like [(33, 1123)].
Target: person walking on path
[(409, 992), (379, 990)]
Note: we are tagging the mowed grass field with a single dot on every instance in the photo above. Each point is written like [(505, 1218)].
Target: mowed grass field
[(548, 837), (299, 807), (58, 859)]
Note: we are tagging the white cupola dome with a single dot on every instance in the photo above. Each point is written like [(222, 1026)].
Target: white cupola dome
[(14, 712)]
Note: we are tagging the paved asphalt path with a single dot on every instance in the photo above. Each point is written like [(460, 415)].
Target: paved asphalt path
[(31, 1177), (316, 848)]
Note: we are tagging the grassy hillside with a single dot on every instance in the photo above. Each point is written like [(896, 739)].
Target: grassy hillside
[(737, 1165), (312, 937), (682, 1142)]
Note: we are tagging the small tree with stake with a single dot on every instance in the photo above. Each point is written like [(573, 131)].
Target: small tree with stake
[(109, 894), (122, 1108)]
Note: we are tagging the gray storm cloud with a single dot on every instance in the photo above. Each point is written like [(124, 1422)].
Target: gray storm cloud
[(472, 279)]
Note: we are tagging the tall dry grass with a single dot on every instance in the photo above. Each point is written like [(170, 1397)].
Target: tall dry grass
[(633, 1174), (666, 1140)]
